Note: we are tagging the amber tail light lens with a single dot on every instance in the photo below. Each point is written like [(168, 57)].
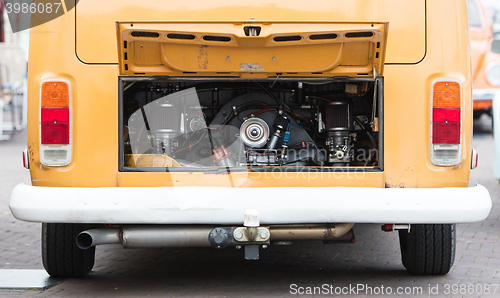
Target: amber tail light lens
[(446, 126)]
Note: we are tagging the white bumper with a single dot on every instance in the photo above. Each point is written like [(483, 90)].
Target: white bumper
[(276, 205)]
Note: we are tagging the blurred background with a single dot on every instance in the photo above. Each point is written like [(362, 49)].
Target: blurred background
[(492, 8), (13, 74)]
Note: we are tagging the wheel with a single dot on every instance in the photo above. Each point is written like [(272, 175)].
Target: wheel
[(428, 249), (60, 255)]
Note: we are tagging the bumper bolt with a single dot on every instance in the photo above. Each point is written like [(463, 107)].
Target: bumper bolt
[(264, 234), (238, 235)]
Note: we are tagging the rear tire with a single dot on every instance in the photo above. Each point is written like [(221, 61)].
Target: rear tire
[(428, 249), (60, 255)]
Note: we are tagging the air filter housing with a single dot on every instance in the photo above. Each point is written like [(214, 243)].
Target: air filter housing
[(338, 116)]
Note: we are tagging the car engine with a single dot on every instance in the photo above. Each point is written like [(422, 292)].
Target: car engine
[(253, 125)]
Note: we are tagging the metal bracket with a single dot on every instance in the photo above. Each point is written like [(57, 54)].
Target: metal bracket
[(251, 252), (374, 107), (375, 73), (258, 235)]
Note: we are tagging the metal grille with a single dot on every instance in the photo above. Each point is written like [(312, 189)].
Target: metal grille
[(337, 116)]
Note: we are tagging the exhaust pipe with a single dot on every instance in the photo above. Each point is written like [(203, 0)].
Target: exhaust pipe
[(89, 238), (147, 236), (310, 232)]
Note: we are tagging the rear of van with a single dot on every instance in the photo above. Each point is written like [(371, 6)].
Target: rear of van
[(218, 124)]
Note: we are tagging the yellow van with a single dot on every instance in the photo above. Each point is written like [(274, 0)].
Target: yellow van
[(485, 62), (219, 124)]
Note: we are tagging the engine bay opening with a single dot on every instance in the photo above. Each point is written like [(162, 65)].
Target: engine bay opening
[(197, 125)]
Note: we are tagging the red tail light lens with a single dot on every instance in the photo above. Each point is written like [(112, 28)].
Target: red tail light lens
[(446, 115), (446, 133), (55, 126), (446, 126)]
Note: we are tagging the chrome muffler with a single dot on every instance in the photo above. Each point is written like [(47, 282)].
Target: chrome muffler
[(146, 236)]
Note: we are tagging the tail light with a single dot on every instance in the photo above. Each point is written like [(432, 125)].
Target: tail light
[(474, 159), (55, 122), (26, 161), (446, 122)]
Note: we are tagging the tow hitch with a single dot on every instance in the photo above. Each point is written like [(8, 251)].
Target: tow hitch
[(252, 235)]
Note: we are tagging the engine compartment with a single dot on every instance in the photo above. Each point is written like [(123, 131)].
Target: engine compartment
[(250, 124)]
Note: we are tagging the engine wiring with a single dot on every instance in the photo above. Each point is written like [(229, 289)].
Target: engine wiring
[(275, 109)]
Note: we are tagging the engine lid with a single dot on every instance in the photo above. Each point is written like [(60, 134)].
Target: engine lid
[(251, 49)]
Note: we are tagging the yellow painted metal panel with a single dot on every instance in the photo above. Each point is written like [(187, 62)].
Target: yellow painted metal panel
[(253, 179), (224, 49), (95, 20), (407, 100)]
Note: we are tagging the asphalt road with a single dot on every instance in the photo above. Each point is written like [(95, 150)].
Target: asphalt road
[(373, 261)]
